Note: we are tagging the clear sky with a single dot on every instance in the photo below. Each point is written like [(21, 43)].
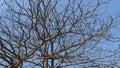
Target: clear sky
[(114, 6)]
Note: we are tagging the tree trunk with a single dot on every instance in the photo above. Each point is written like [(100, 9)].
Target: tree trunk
[(46, 63)]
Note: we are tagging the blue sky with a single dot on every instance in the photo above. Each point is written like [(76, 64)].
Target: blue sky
[(114, 6), (114, 9)]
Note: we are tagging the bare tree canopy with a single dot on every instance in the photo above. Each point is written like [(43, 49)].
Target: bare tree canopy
[(56, 34)]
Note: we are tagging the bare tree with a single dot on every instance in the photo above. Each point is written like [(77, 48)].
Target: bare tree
[(55, 34)]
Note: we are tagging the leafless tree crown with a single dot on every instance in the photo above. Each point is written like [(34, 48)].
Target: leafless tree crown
[(55, 34)]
